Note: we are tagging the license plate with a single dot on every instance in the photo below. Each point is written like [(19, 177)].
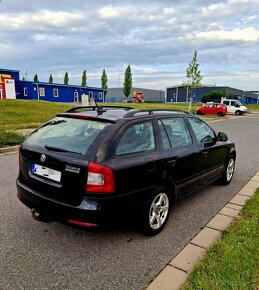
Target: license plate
[(46, 172)]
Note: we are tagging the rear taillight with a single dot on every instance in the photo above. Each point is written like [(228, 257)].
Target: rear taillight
[(99, 179)]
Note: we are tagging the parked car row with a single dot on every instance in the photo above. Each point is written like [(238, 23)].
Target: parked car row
[(221, 109)]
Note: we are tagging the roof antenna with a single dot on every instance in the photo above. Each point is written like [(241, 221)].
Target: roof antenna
[(100, 109)]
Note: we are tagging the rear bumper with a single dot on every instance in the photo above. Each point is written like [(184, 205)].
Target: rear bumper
[(91, 210)]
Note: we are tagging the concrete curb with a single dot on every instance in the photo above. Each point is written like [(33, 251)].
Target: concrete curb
[(176, 272), (11, 149)]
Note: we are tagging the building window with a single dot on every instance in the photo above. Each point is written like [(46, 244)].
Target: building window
[(100, 96), (42, 92), (55, 93), (25, 92), (76, 97)]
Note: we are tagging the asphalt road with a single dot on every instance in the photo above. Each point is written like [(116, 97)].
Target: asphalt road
[(34, 255)]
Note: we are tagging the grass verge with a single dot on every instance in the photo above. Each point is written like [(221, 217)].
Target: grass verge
[(233, 262), (20, 114), (10, 138)]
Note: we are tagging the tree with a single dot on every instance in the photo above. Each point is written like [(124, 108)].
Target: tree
[(127, 85), (104, 81), (84, 78), (214, 96), (194, 77), (66, 79), (36, 78), (50, 79)]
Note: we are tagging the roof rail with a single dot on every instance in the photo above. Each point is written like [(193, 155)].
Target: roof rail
[(152, 111), (99, 109)]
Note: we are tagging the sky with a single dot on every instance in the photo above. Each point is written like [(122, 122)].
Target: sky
[(157, 39)]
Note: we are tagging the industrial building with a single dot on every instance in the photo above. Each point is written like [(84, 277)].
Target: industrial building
[(11, 87), (179, 94), (116, 95)]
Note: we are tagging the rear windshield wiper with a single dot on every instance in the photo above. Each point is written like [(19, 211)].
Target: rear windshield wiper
[(57, 149)]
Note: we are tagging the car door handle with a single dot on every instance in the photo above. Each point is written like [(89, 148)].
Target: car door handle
[(150, 164), (171, 162)]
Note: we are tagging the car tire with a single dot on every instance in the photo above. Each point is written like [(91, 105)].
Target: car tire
[(220, 114), (238, 112), (228, 171), (155, 212)]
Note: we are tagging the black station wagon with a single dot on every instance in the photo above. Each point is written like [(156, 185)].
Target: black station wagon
[(95, 164)]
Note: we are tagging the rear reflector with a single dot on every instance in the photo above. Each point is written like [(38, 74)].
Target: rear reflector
[(83, 224), (99, 179)]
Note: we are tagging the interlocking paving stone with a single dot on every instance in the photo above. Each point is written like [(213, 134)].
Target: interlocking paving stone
[(229, 212), (169, 279), (188, 257), (253, 184), (220, 222), (255, 178), (235, 206), (239, 199), (248, 191), (206, 237)]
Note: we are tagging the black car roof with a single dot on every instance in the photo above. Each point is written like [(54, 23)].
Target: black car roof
[(115, 113)]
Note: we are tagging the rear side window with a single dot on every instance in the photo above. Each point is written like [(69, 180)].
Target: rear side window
[(67, 134), (137, 138), (226, 103)]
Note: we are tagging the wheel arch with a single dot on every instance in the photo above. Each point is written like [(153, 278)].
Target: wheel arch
[(171, 187)]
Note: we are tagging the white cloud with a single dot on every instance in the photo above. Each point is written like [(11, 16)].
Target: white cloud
[(246, 34), (56, 19), (108, 12), (47, 37)]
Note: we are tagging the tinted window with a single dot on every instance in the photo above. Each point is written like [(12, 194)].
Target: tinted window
[(136, 138), (164, 137), (226, 102), (74, 135), (202, 131), (176, 131)]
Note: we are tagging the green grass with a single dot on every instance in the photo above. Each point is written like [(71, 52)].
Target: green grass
[(22, 114), (232, 263), (252, 107), (10, 138), (19, 114)]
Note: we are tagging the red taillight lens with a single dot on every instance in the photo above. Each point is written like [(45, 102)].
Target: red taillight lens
[(99, 179), (83, 224)]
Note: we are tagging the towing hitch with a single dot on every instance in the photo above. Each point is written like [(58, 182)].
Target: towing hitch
[(40, 217)]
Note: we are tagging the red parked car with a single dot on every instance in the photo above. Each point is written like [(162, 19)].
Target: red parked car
[(212, 109)]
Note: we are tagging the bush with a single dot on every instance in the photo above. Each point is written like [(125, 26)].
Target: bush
[(10, 138), (214, 96)]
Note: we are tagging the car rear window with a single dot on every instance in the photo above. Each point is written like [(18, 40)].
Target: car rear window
[(67, 134)]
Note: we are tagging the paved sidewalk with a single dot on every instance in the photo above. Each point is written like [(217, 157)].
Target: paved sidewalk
[(175, 274)]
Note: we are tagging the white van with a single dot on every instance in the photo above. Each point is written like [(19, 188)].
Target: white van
[(234, 107)]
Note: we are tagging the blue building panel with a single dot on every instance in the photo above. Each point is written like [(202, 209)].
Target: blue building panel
[(179, 94), (15, 74), (57, 92)]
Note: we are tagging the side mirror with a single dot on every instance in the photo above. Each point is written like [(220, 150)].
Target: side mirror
[(208, 141), (222, 137)]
